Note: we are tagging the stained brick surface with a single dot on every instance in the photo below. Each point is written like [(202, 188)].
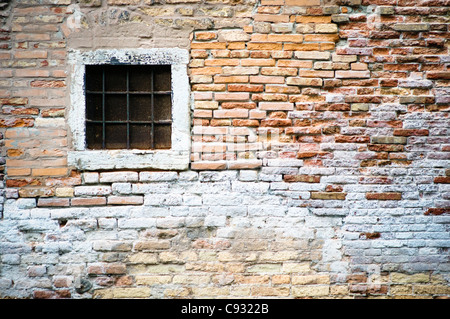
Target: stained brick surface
[(318, 164)]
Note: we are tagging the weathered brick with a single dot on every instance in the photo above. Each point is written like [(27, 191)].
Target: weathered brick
[(411, 27), (125, 200), (312, 55), (53, 202), (328, 195), (302, 178), (388, 140), (111, 177), (352, 74), (299, 81), (88, 201), (384, 196)]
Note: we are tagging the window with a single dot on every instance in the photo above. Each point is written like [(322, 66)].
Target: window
[(128, 106), (129, 109)]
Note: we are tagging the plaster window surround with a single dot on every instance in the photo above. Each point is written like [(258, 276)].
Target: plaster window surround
[(175, 158)]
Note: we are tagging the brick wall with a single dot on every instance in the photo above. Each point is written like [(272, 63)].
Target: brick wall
[(319, 154)]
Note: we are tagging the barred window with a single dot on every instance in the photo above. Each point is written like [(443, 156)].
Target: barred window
[(128, 106)]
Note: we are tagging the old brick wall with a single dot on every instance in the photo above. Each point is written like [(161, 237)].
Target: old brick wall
[(319, 153)]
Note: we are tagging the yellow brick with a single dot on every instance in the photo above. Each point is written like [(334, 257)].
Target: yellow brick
[(103, 294), (400, 290), (49, 171), (270, 291), (18, 171), (251, 279), (207, 256), (167, 257), (190, 279), (206, 105), (310, 291), (141, 292), (404, 278), (143, 258), (296, 267), (240, 291), (64, 192), (339, 290), (281, 279), (165, 269), (265, 268), (431, 289), (177, 292), (148, 280), (278, 256), (310, 279), (210, 292), (313, 19)]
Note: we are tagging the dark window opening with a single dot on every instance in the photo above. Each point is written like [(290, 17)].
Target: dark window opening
[(128, 106)]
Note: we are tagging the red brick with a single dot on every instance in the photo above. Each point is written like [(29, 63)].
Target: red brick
[(245, 88), (125, 200), (47, 84), (411, 132), (53, 202), (442, 180), (384, 196), (208, 165), (49, 171), (32, 73), (437, 211), (240, 105), (302, 178), (352, 139), (438, 75), (37, 54), (250, 123), (328, 195), (91, 201), (231, 113), (276, 106), (231, 79), (313, 19), (276, 122), (241, 96)]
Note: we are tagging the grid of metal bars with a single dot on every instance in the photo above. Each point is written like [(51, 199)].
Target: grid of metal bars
[(93, 119)]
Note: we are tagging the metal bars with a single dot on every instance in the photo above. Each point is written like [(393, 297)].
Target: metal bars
[(128, 106)]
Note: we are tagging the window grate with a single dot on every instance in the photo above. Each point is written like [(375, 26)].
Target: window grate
[(128, 106)]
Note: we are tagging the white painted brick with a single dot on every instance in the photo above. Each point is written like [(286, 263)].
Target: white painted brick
[(248, 175), (121, 188), (179, 211), (267, 210), (285, 162), (225, 200), (215, 221), (137, 223), (111, 177), (90, 178), (192, 200), (158, 176), (188, 176), (228, 210), (143, 188), (251, 187), (92, 190), (213, 176), (170, 222), (166, 200)]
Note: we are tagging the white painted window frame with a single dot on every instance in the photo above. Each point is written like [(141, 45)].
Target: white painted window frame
[(176, 158)]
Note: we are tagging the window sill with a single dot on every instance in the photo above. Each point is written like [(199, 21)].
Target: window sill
[(129, 159)]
